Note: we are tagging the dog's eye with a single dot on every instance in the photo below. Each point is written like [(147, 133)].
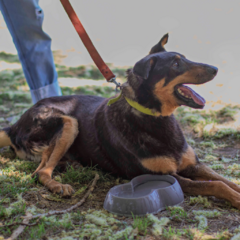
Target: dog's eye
[(175, 65)]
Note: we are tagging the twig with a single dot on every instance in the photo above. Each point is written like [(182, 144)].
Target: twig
[(21, 228), (74, 206), (183, 221), (192, 207), (20, 223)]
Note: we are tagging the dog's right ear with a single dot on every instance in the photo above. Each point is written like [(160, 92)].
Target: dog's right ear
[(143, 67), (160, 46)]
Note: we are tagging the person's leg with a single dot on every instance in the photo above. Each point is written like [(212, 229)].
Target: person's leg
[(24, 20)]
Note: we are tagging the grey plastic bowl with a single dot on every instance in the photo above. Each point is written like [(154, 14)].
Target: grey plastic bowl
[(144, 194)]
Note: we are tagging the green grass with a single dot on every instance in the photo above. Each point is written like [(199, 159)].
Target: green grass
[(207, 213), (172, 234), (141, 223), (177, 212), (82, 175), (200, 200), (16, 96), (225, 132), (218, 166), (36, 232), (7, 57), (24, 166), (90, 90), (209, 144), (14, 182), (87, 72), (12, 79), (227, 112), (210, 124)]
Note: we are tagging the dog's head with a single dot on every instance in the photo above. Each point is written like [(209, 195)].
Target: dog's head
[(158, 80)]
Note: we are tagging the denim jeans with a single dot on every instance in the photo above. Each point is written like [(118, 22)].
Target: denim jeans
[(24, 21)]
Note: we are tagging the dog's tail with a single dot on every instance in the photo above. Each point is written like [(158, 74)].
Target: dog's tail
[(4, 139)]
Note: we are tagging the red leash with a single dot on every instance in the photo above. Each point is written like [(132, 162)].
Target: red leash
[(104, 69)]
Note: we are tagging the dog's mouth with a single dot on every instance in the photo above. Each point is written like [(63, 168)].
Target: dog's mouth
[(189, 96)]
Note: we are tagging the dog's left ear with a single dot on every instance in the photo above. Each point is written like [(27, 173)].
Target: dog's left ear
[(143, 67), (160, 46)]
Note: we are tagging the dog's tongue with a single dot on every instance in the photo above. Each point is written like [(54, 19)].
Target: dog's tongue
[(187, 91)]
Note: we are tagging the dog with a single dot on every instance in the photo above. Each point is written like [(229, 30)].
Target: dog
[(133, 134)]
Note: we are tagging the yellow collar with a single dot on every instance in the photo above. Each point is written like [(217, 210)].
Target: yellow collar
[(135, 105)]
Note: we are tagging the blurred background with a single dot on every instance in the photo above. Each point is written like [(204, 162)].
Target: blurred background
[(124, 31)]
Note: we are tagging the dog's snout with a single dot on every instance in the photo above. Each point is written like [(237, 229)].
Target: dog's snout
[(212, 70)]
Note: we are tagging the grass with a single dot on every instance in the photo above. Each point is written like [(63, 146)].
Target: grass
[(89, 90), (141, 223), (172, 234), (177, 213), (209, 144), (82, 175), (7, 57), (207, 213), (37, 232), (227, 112), (217, 166), (200, 200), (87, 72), (14, 182)]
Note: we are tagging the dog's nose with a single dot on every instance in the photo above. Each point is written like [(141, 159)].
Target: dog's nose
[(212, 70)]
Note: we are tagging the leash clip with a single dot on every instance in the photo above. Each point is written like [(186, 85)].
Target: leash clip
[(118, 85)]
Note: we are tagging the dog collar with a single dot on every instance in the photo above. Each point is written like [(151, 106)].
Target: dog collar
[(135, 105)]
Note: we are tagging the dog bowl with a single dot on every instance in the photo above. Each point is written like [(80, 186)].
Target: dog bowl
[(144, 194)]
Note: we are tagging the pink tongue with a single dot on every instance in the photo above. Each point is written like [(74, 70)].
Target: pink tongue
[(190, 93)]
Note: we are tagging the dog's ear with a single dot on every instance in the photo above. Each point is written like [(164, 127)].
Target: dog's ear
[(143, 67), (160, 46)]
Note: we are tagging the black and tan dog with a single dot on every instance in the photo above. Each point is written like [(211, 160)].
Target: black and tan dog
[(137, 134)]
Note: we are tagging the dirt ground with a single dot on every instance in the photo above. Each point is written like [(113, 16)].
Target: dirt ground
[(214, 134)]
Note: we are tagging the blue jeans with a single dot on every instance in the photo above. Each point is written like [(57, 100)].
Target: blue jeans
[(24, 21)]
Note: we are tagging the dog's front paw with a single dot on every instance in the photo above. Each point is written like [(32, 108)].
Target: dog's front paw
[(64, 190)]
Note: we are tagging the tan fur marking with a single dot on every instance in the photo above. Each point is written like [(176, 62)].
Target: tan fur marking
[(21, 154), (69, 133), (36, 153), (127, 91), (188, 158), (166, 97), (4, 139), (38, 149), (177, 56), (163, 164), (45, 157), (165, 93)]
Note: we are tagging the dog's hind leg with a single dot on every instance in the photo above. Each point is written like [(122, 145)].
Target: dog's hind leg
[(62, 144), (209, 188)]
